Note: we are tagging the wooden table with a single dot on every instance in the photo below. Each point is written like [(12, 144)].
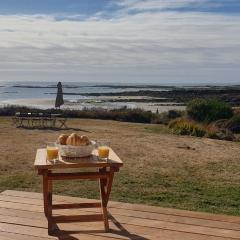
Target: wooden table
[(40, 120), (104, 173)]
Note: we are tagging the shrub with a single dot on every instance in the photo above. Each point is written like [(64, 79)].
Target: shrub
[(221, 134), (233, 124), (172, 114), (237, 110), (161, 118), (176, 121), (166, 117), (216, 127), (208, 110), (134, 115), (123, 114), (187, 127), (218, 130)]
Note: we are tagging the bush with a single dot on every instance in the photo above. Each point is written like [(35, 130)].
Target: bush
[(123, 114), (218, 130), (187, 127), (173, 114), (233, 124), (208, 110), (221, 134), (176, 121), (166, 117)]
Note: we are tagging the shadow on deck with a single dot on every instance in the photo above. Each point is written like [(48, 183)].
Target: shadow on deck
[(22, 218)]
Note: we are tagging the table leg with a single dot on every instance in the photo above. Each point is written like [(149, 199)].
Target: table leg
[(54, 123), (105, 190), (45, 191), (21, 123), (47, 199), (62, 123), (49, 207)]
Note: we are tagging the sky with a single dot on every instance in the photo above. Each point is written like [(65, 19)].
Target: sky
[(121, 41)]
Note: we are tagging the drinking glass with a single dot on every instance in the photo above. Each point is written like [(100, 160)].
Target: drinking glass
[(103, 150), (52, 151)]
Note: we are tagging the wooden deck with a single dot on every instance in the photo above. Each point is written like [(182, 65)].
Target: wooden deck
[(22, 218)]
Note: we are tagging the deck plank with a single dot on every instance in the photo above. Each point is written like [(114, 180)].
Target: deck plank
[(137, 214), (21, 215), (14, 236), (132, 232), (135, 207), (156, 224), (16, 219)]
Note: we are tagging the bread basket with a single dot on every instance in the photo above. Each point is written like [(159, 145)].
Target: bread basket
[(76, 151)]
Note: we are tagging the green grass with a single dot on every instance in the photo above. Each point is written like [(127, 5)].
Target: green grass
[(156, 170), (20, 181), (156, 189)]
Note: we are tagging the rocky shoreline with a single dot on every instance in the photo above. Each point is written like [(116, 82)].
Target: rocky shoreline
[(183, 96), (229, 94)]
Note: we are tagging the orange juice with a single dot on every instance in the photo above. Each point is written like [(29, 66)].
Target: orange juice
[(52, 153), (103, 152)]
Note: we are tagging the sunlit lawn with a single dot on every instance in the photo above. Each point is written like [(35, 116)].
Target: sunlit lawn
[(159, 168)]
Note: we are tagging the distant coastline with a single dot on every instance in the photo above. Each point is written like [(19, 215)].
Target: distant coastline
[(181, 95), (114, 96), (31, 86), (143, 86)]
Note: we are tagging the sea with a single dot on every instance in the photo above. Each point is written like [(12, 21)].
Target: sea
[(42, 95)]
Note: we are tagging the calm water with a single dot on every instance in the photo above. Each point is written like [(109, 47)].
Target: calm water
[(11, 90)]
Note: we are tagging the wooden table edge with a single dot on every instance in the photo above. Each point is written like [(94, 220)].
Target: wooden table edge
[(78, 164)]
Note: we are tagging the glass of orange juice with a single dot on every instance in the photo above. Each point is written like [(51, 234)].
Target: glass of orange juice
[(52, 151), (103, 150)]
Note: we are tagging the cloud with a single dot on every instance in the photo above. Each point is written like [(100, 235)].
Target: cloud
[(147, 45), (146, 5), (197, 5)]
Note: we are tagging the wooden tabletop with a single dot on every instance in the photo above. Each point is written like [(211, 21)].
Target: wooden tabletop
[(41, 161)]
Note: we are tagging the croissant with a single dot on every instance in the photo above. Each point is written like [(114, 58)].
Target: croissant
[(62, 139), (76, 140)]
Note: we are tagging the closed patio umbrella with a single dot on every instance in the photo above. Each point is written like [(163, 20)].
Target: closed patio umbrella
[(59, 99)]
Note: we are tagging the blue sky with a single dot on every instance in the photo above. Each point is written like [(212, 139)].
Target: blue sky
[(146, 41), (52, 6), (88, 7)]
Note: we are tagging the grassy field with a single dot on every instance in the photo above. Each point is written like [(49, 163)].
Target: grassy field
[(159, 168)]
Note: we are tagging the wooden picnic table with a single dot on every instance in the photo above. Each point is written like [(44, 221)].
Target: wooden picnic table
[(42, 120), (104, 173)]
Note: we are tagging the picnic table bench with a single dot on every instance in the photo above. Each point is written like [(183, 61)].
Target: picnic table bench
[(41, 120), (104, 172)]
